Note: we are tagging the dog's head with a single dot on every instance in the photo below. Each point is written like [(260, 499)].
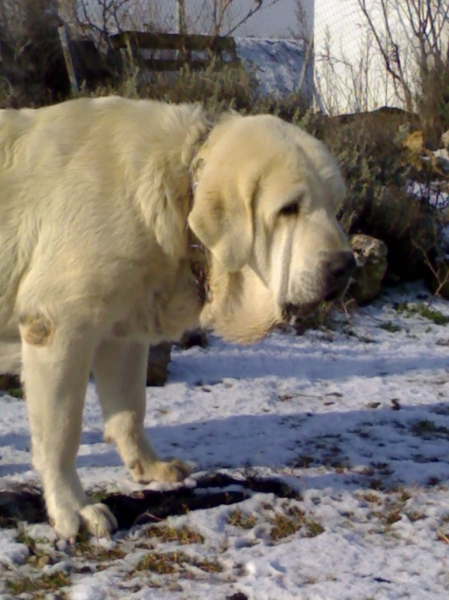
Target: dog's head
[(264, 206)]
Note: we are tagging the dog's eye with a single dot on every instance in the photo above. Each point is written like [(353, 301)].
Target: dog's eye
[(290, 210)]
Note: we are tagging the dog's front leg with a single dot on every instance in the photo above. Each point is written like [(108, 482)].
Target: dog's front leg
[(120, 374), (55, 372)]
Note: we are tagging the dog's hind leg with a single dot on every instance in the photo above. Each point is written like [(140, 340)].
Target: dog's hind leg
[(120, 373), (56, 364)]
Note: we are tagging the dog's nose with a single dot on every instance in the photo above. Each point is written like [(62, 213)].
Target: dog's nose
[(340, 267)]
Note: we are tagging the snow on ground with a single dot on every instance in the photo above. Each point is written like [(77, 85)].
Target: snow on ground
[(434, 193), (278, 65), (353, 419)]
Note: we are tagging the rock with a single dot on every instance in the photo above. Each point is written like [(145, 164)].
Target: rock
[(159, 358), (189, 339), (371, 257)]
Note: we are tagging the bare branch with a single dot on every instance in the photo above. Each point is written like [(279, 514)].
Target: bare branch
[(259, 5), (390, 52)]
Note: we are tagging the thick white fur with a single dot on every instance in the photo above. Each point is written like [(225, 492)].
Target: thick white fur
[(95, 197)]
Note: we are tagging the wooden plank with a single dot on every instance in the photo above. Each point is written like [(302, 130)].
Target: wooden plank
[(174, 41), (163, 64), (68, 59)]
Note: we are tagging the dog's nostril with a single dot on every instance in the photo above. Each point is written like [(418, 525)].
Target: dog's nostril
[(344, 265)]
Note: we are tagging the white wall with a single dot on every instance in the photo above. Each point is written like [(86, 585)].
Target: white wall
[(350, 72), (275, 19), (278, 20)]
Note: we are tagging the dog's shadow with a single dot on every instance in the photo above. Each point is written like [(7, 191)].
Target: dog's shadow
[(379, 448), (274, 357)]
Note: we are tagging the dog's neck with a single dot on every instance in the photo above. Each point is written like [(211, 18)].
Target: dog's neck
[(197, 165), (199, 265), (199, 255)]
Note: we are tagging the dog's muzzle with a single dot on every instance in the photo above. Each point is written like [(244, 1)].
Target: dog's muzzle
[(336, 272), (291, 312)]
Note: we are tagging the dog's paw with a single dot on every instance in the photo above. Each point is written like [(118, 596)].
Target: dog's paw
[(98, 520), (66, 524), (170, 471)]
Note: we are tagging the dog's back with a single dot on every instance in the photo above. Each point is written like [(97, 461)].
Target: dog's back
[(110, 163), (16, 244)]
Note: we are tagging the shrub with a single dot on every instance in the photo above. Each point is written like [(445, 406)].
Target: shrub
[(219, 87), (373, 165), (377, 174)]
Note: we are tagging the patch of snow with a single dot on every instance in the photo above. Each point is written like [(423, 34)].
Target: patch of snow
[(433, 193), (354, 418), (278, 65)]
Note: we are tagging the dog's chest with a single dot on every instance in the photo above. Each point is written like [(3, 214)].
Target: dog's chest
[(163, 308)]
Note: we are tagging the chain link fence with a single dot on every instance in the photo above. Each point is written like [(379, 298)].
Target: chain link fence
[(374, 53), (350, 74)]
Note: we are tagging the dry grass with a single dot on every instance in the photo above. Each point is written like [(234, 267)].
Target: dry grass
[(284, 526), (162, 564), (182, 535), (370, 497), (291, 521), (38, 586), (239, 519), (442, 536), (174, 562)]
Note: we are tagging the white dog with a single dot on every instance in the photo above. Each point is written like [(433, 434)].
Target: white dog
[(99, 203)]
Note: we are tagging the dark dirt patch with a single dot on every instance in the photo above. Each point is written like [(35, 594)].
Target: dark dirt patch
[(21, 506), (150, 506)]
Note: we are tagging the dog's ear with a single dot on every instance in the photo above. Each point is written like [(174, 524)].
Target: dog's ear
[(221, 218)]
